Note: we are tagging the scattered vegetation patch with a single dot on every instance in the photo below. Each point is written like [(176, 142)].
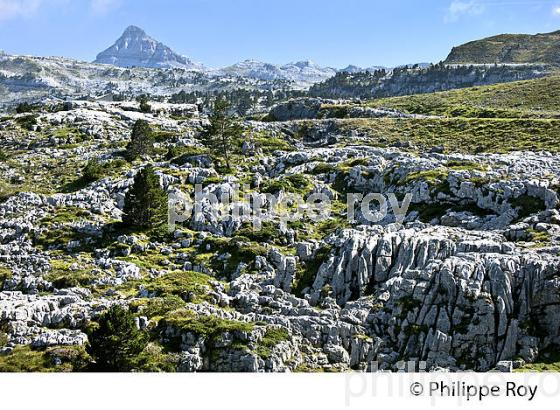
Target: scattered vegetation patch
[(64, 275), (305, 276), (180, 155), (527, 205), (548, 361), (296, 183), (464, 165), (322, 168), (5, 274), (271, 338), (208, 327), (188, 285), (268, 143), (54, 359), (539, 237), (434, 177), (157, 308), (27, 122), (240, 249)]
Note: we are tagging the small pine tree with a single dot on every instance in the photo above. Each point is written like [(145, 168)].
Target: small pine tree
[(144, 105), (116, 343), (223, 131), (141, 141), (145, 202)]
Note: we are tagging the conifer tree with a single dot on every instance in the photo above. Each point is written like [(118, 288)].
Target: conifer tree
[(141, 141), (116, 343), (145, 202), (223, 132)]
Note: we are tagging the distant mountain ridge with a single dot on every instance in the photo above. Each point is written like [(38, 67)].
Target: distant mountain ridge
[(136, 49), (303, 72), (509, 49)]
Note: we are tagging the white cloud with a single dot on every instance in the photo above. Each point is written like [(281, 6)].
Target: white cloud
[(104, 6), (13, 9), (556, 11), (18, 8), (459, 8)]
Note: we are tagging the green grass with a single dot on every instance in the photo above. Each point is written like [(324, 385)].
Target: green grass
[(323, 168), (548, 361), (62, 276), (297, 184), (94, 171), (429, 211), (192, 286), (462, 135), (433, 176), (536, 98), (268, 143), (25, 359), (60, 231), (5, 273), (540, 238), (241, 250), (43, 175), (208, 327), (157, 308), (272, 337)]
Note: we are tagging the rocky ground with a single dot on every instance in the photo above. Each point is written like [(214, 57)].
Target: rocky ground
[(469, 280)]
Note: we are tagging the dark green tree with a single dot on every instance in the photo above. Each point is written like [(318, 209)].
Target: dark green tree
[(224, 131), (144, 104), (145, 205), (24, 107), (116, 343), (141, 141)]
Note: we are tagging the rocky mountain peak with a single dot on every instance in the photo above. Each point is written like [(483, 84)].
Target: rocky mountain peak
[(135, 48)]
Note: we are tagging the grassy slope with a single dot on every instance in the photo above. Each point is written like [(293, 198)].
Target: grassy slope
[(509, 48), (521, 99), (465, 135), (523, 115)]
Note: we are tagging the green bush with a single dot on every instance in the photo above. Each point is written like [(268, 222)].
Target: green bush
[(93, 171), (24, 107), (27, 122), (527, 205)]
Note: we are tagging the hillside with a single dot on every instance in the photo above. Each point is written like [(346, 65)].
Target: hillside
[(509, 49), (418, 80), (532, 98)]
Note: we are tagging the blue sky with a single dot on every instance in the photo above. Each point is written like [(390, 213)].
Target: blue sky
[(221, 32)]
